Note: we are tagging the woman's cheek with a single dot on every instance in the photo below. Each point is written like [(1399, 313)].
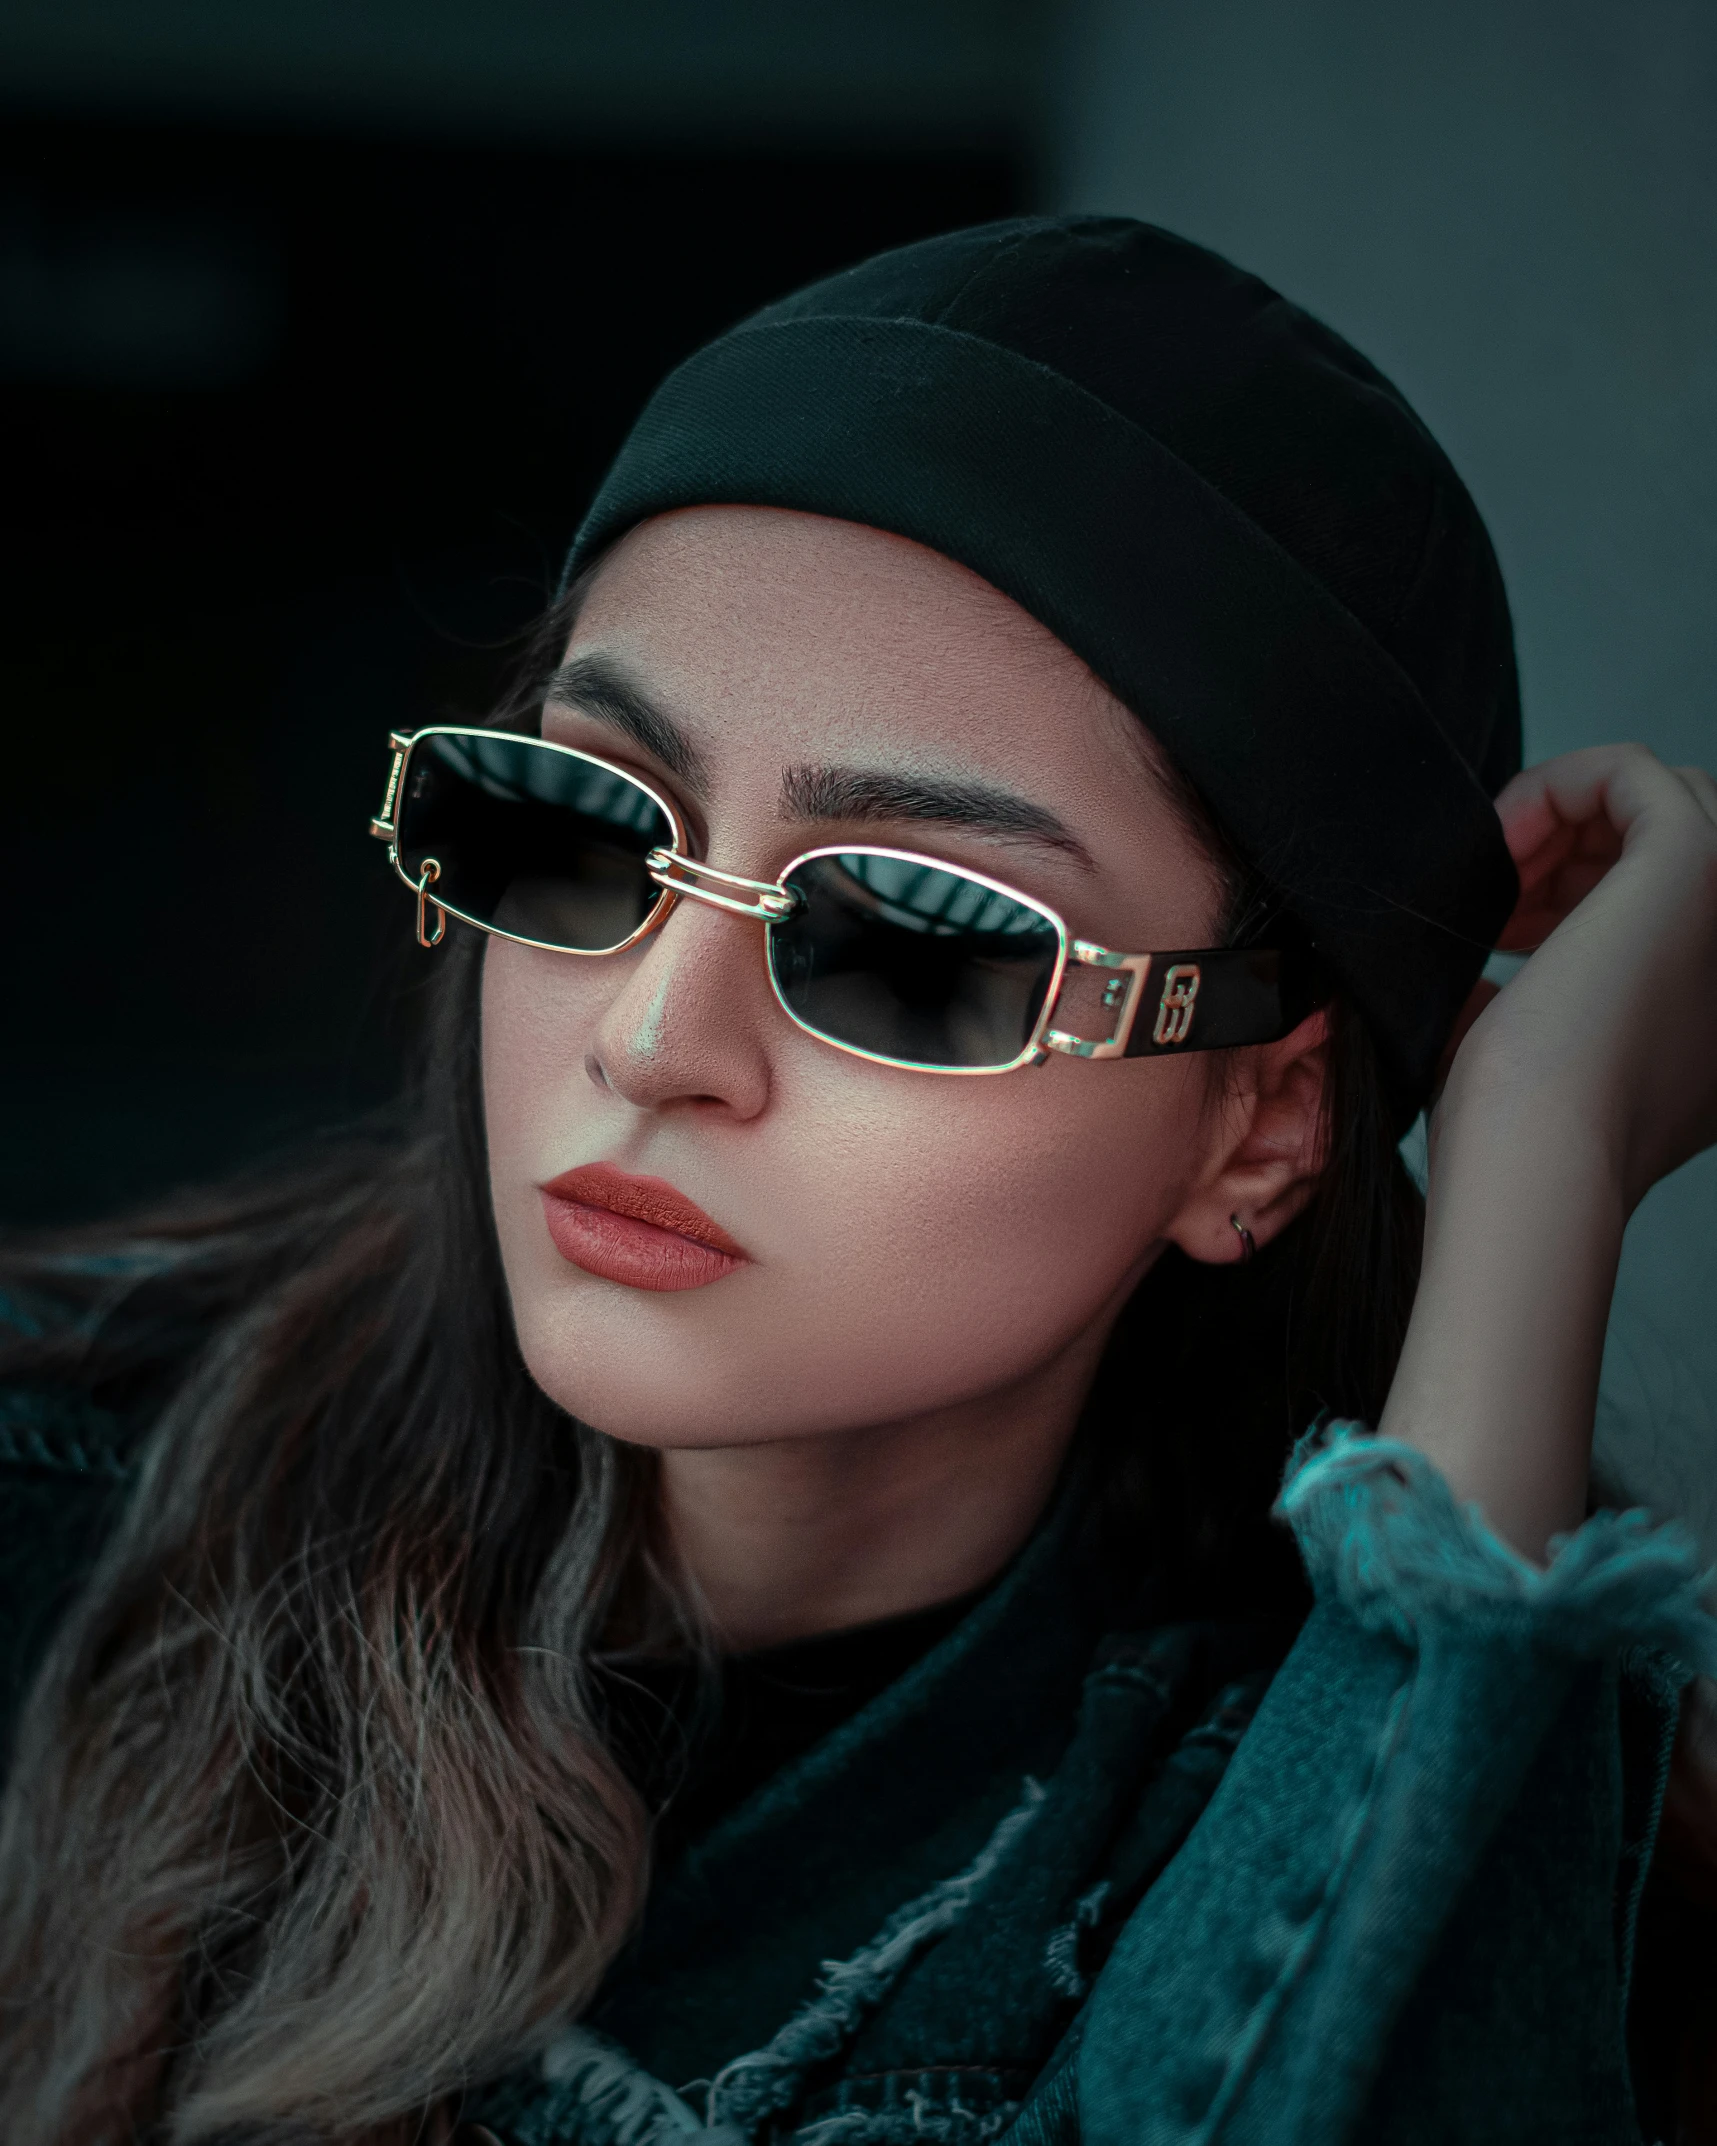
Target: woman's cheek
[(537, 1100), (976, 1227)]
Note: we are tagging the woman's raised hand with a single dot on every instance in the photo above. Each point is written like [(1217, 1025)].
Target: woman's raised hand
[(1616, 1011), (1588, 1078)]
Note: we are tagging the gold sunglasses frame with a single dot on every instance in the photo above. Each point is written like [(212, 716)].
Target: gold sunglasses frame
[(401, 744), (772, 901)]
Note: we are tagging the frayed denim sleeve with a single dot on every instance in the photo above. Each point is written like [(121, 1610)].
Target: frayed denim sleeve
[(1381, 1533), (1398, 1920)]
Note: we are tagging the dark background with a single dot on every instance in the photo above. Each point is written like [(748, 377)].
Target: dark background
[(295, 427)]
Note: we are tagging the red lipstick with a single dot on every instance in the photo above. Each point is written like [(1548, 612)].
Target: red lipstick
[(640, 1231)]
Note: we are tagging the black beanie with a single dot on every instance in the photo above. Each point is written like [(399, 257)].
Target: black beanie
[(1237, 522)]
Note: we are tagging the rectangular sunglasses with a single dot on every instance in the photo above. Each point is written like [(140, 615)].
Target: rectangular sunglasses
[(893, 956)]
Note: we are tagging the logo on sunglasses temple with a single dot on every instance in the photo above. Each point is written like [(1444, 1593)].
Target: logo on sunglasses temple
[(769, 901), (1175, 1007)]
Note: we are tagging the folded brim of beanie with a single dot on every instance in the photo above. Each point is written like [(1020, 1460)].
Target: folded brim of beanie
[(1315, 750)]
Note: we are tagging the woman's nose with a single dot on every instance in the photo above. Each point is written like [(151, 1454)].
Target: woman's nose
[(694, 1020)]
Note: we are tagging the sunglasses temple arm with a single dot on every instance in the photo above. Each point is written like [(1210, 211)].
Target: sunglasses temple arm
[(1120, 996), (1219, 998), (382, 826), (1206, 999)]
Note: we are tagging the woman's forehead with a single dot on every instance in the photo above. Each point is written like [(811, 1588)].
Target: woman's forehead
[(797, 638)]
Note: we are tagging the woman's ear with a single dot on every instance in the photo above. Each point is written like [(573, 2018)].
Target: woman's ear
[(1267, 1146)]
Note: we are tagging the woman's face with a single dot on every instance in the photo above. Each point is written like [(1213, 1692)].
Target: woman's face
[(910, 1241)]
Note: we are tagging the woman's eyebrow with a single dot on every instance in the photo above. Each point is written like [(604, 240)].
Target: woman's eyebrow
[(595, 685), (842, 793)]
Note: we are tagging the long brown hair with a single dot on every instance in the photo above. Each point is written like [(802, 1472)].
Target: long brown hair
[(311, 1820)]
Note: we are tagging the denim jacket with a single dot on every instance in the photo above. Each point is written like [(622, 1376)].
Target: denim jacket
[(1144, 1895), (1145, 1887)]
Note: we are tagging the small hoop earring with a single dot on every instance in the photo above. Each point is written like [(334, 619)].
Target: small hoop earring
[(1247, 1244)]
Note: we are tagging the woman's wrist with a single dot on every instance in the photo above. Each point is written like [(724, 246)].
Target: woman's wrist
[(1498, 1377)]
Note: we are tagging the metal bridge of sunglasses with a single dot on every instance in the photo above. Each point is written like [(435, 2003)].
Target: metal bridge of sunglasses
[(771, 903), (765, 899)]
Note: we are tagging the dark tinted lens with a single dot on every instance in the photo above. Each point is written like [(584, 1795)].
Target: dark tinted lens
[(537, 842), (912, 962)]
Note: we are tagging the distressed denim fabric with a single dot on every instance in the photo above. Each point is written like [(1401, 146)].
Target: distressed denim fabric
[(1408, 1912), (1029, 1706), (1402, 1913), (940, 2024)]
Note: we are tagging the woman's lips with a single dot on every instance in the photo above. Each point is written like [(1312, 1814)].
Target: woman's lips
[(636, 1230)]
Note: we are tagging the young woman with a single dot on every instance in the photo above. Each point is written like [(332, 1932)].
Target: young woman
[(724, 1584)]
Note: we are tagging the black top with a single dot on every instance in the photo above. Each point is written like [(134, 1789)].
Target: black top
[(699, 1739)]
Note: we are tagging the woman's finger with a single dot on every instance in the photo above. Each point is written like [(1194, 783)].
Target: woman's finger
[(1704, 789), (1567, 822), (1551, 810), (1613, 782)]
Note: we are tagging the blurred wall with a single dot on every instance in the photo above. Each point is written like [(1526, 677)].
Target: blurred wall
[(1511, 206), (572, 72)]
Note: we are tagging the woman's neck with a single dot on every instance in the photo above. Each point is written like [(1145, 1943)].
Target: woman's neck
[(833, 1529)]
